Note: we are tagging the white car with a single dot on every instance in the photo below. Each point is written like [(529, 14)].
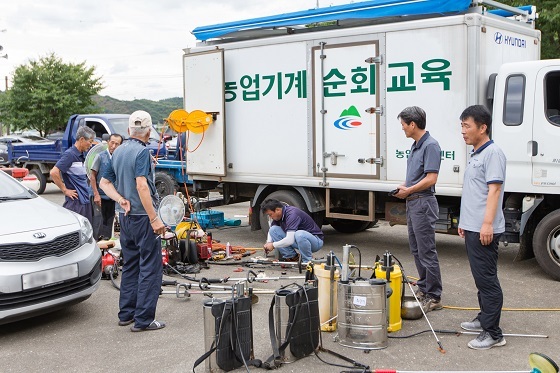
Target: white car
[(48, 258)]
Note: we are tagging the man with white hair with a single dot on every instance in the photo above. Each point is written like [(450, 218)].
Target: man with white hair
[(130, 181), (69, 174)]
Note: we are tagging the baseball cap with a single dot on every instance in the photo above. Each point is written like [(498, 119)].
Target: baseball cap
[(140, 119)]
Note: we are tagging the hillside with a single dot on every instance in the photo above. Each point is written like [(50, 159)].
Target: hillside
[(159, 110)]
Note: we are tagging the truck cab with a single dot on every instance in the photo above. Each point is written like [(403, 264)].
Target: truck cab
[(526, 124), (108, 124)]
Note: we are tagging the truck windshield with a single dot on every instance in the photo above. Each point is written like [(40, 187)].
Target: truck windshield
[(121, 127)]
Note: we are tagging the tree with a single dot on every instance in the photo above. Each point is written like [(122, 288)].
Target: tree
[(46, 92), (549, 24)]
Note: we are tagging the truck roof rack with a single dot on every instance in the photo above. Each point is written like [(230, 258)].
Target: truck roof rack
[(353, 14)]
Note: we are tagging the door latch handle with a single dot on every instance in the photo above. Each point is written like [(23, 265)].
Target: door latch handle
[(533, 148), (371, 160)]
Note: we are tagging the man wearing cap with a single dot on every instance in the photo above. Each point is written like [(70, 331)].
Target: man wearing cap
[(130, 181)]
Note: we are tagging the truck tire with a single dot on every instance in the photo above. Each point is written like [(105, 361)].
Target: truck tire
[(546, 244), (287, 196), (165, 184), (351, 226), (42, 179)]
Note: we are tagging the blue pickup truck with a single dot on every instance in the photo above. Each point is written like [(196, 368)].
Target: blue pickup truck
[(40, 158)]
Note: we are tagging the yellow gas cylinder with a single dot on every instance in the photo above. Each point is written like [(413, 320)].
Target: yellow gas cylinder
[(327, 284), (394, 301)]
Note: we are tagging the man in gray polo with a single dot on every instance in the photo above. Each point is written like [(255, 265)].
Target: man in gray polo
[(482, 222), (422, 209)]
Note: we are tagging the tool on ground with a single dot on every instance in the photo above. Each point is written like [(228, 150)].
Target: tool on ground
[(405, 279), (539, 363)]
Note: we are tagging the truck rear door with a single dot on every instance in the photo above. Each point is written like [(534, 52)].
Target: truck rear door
[(204, 90), (345, 95)]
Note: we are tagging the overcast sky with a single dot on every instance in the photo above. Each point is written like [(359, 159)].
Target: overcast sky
[(135, 46)]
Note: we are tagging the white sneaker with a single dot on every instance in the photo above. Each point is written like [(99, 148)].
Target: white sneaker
[(484, 341), (472, 326)]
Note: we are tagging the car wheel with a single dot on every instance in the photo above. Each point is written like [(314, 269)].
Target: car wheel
[(165, 184), (546, 244), (42, 179)]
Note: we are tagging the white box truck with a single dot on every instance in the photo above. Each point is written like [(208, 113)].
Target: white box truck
[(308, 115)]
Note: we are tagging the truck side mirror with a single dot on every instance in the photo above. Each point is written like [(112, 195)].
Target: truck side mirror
[(105, 137)]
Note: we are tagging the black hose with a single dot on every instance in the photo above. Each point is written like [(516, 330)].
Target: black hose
[(440, 331), (111, 269)]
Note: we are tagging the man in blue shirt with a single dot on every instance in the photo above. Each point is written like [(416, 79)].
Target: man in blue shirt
[(422, 208), (130, 181), (482, 222), (106, 204), (69, 174), (290, 229)]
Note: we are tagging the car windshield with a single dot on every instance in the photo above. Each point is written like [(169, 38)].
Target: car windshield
[(11, 189), (121, 127)]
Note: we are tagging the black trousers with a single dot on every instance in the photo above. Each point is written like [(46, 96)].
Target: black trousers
[(108, 215), (484, 268)]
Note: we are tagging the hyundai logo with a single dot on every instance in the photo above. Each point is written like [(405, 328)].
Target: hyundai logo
[(498, 37), (39, 235)]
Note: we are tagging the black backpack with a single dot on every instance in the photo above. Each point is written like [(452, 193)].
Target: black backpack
[(301, 334)]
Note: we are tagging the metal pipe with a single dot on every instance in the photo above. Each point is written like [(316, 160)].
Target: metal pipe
[(423, 313), (345, 265), (324, 168), (508, 334), (505, 7)]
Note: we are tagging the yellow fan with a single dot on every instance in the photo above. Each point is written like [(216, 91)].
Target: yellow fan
[(197, 121)]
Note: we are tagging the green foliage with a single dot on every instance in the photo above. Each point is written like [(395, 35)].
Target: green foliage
[(159, 110), (548, 22), (46, 92)]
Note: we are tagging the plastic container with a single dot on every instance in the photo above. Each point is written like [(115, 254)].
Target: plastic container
[(394, 303), (328, 296), (209, 218), (228, 250)]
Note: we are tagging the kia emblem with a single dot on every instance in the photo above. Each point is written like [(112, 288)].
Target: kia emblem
[(39, 235)]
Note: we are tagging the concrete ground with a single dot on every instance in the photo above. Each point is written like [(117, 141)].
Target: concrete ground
[(86, 338)]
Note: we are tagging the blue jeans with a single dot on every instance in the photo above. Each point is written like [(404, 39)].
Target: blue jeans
[(305, 242), (142, 270)]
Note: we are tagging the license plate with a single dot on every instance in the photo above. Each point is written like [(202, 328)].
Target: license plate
[(49, 276)]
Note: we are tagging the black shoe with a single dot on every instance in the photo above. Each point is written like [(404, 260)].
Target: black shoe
[(125, 323), (294, 259)]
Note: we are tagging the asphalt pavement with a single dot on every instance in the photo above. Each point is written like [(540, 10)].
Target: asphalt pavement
[(86, 338)]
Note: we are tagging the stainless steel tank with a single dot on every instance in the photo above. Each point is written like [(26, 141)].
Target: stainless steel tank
[(362, 314)]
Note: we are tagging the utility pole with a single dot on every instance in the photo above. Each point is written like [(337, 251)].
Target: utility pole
[(4, 55)]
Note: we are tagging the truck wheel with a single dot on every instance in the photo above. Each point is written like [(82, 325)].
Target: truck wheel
[(42, 179), (351, 226), (287, 196), (165, 184), (546, 244)]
